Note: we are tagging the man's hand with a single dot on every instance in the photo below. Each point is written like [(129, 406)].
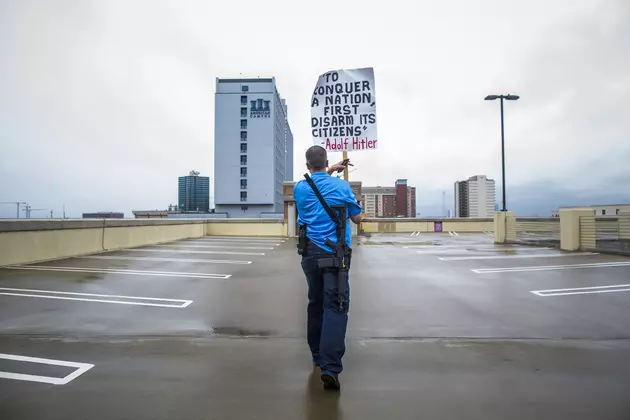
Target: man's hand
[(338, 166), (357, 219)]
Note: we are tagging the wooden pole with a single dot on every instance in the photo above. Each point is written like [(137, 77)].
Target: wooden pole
[(345, 171)]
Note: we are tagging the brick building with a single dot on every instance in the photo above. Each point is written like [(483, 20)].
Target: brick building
[(396, 201)]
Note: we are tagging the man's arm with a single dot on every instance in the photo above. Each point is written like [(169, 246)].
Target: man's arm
[(354, 209)]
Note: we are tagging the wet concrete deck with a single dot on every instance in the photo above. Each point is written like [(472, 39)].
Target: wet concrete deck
[(440, 326)]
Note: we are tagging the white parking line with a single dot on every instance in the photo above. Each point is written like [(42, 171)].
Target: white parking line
[(449, 246), (468, 248), (225, 241), (240, 239), (549, 267), (81, 369), (524, 249), (120, 271), (53, 294), (472, 251), (211, 246), (451, 233), (502, 257), (183, 260), (175, 251), (583, 290), (442, 251)]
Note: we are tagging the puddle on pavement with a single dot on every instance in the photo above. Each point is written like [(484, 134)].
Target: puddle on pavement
[(88, 278), (241, 332)]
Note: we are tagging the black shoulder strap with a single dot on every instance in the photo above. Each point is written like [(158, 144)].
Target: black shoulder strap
[(330, 212)]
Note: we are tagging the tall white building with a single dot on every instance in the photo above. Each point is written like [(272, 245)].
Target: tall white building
[(475, 197), (253, 147)]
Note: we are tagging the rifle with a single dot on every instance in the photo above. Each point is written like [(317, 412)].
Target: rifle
[(341, 251)]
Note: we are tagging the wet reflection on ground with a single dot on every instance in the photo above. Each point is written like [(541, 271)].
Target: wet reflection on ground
[(321, 404)]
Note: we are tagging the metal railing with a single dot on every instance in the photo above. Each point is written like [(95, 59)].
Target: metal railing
[(605, 233), (535, 230)]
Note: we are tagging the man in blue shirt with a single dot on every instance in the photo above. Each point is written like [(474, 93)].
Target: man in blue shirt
[(327, 320)]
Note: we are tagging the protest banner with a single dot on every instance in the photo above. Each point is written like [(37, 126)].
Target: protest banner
[(343, 111)]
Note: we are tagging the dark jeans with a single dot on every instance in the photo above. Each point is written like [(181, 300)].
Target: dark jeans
[(327, 322)]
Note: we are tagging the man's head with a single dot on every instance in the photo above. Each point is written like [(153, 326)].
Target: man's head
[(316, 159)]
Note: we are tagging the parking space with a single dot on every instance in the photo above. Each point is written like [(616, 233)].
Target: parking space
[(467, 286), (217, 325), (92, 294)]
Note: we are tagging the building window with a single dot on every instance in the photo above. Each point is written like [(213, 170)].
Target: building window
[(243, 172), (617, 212), (243, 100), (244, 88), (243, 184), (243, 147), (243, 159), (244, 135), (243, 124), (243, 195), (603, 212), (243, 112), (244, 208)]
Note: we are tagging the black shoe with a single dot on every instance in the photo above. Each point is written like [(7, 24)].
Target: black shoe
[(330, 382)]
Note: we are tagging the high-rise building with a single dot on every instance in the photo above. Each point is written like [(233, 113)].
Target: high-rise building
[(379, 201), (475, 197), (405, 199), (253, 147), (194, 192), (399, 200)]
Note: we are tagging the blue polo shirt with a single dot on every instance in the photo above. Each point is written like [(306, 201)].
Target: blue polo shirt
[(335, 191)]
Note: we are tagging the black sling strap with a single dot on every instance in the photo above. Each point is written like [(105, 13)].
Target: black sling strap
[(330, 211)]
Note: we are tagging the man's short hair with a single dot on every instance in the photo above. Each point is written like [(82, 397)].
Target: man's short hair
[(316, 158)]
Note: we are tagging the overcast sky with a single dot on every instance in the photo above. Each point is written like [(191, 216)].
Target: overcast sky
[(103, 104)]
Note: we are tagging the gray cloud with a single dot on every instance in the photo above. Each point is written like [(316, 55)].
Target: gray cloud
[(104, 104)]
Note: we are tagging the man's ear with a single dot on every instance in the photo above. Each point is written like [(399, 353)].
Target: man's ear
[(327, 165)]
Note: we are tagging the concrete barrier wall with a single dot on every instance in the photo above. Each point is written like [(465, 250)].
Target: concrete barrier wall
[(27, 241), (129, 237), (246, 227), (30, 246), (399, 225), (40, 240)]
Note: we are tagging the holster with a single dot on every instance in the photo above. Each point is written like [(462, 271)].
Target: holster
[(302, 244)]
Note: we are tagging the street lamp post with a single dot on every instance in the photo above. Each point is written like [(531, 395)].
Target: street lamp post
[(508, 97)]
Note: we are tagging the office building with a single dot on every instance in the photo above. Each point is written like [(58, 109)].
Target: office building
[(194, 192), (405, 199), (253, 147), (475, 197), (396, 201), (379, 201)]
